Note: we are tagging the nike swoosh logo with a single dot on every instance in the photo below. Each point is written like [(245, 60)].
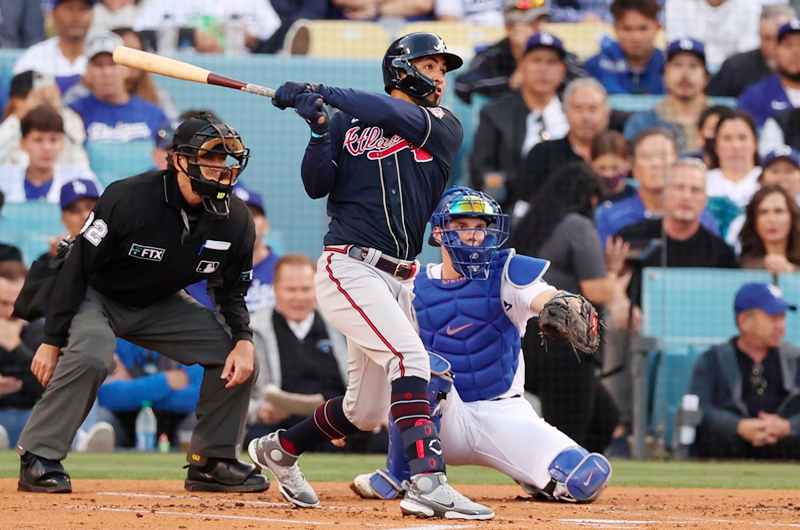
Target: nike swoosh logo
[(780, 105), (448, 506), (589, 479), (450, 332), (354, 120)]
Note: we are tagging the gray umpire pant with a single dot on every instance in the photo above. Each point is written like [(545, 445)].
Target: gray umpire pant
[(180, 328)]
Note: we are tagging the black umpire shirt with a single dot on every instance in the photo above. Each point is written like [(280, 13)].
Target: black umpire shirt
[(137, 248)]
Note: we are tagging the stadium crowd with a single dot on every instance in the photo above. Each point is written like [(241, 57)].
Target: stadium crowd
[(589, 188)]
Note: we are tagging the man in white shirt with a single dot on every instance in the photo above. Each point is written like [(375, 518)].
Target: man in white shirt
[(61, 56), (209, 17), (42, 178), (726, 27)]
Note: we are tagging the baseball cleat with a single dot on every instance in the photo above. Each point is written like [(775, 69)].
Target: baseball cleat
[(431, 496), (266, 452), (362, 487)]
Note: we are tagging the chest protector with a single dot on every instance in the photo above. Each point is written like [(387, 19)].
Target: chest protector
[(465, 322)]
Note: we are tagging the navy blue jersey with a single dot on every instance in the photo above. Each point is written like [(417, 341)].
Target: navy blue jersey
[(384, 167)]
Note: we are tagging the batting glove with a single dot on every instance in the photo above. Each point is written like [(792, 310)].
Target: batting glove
[(311, 107), (286, 94)]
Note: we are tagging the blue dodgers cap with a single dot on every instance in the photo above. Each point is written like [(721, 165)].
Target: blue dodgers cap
[(782, 153), (763, 296), (544, 39), (250, 198), (793, 26), (686, 45), (78, 189)]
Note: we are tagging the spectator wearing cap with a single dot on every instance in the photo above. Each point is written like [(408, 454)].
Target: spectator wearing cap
[(779, 168), (655, 151), (28, 90), (633, 65), (685, 78), (22, 24), (201, 22), (260, 294), (61, 56), (138, 82), (121, 129), (78, 198), (495, 71), (726, 27), (780, 91), (749, 388), (42, 178), (745, 69), (770, 236), (587, 110), (510, 127)]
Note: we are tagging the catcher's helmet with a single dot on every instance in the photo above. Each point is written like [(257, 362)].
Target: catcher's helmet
[(473, 260), (398, 59), (200, 136)]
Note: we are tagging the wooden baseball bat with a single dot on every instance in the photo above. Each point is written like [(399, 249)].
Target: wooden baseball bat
[(156, 64)]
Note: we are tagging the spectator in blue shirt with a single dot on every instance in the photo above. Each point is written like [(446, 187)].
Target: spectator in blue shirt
[(144, 375), (780, 91), (655, 151), (685, 79), (121, 129), (633, 65)]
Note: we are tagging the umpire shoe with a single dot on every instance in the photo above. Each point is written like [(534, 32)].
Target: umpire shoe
[(40, 475), (268, 454), (431, 496), (226, 475)]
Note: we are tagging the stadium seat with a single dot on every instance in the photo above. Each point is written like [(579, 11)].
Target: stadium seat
[(461, 39), (29, 225), (115, 161), (336, 39), (640, 102)]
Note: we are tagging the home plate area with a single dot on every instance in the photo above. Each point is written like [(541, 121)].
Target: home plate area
[(109, 504)]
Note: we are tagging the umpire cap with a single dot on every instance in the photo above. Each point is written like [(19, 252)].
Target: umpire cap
[(398, 59)]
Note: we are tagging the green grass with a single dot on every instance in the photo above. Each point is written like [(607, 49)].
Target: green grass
[(341, 468)]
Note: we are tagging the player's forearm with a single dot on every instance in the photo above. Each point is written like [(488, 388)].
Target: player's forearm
[(393, 115), (317, 170)]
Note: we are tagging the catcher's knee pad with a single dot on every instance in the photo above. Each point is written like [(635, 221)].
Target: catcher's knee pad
[(578, 476)]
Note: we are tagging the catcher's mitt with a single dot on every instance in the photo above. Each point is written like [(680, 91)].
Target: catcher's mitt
[(572, 318)]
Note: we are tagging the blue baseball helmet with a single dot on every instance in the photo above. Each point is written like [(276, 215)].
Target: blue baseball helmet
[(470, 260)]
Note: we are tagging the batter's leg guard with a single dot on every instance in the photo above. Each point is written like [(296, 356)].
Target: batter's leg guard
[(578, 476)]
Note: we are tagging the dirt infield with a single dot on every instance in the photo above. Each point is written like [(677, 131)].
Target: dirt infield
[(110, 504)]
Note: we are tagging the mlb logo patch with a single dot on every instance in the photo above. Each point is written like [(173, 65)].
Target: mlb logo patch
[(207, 267), (148, 253)]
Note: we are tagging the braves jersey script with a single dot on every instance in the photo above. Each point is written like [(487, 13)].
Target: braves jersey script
[(384, 170)]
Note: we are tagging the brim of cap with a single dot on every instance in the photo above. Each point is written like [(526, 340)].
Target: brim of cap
[(561, 52), (98, 52), (695, 53), (787, 32), (776, 307), (516, 16), (787, 158)]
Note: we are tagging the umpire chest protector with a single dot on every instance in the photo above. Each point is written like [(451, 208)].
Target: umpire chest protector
[(465, 322)]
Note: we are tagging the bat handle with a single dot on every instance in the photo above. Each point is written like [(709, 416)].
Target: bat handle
[(259, 90)]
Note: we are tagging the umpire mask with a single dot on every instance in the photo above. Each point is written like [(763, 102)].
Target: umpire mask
[(214, 157)]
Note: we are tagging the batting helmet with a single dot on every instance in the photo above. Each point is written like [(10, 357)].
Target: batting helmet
[(205, 135), (398, 59), (470, 260)]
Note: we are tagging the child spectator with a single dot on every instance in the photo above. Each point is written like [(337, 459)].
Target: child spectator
[(611, 160)]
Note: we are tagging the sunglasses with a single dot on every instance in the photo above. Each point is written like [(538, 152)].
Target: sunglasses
[(757, 380)]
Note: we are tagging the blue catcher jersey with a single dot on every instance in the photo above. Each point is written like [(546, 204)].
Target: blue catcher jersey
[(465, 322)]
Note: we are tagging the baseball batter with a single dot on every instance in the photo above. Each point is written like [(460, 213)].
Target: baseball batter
[(383, 162), (476, 327)]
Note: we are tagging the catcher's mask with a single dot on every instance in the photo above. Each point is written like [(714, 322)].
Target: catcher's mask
[(470, 260), (198, 139)]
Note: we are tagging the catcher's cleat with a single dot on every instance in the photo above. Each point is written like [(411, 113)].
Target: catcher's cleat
[(267, 453), (228, 475), (431, 496), (40, 475)]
